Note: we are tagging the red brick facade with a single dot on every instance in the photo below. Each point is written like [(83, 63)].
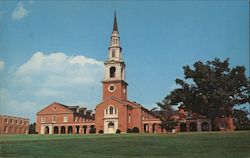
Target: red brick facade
[(115, 113), (13, 125), (189, 122), (57, 118)]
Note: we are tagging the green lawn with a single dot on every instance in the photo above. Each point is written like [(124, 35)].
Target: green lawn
[(184, 145)]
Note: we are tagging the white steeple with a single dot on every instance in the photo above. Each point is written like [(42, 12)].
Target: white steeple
[(114, 66), (115, 50)]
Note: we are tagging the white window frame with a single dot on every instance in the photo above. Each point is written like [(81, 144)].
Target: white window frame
[(53, 118), (43, 120), (65, 118)]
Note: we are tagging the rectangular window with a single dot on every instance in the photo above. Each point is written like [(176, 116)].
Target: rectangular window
[(6, 120), (65, 118), (16, 121), (54, 119), (129, 118), (113, 53), (43, 120)]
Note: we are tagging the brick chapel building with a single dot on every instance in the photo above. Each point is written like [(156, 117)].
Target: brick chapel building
[(115, 113)]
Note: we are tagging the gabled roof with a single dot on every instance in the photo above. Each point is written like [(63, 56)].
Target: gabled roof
[(65, 107), (111, 97), (133, 104), (128, 103)]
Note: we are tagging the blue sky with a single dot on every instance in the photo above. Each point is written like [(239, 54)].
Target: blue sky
[(54, 50)]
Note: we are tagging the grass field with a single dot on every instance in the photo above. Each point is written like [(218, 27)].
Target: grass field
[(183, 145)]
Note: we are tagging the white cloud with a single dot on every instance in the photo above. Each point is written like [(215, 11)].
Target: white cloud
[(1, 65), (57, 69), (46, 78), (19, 11)]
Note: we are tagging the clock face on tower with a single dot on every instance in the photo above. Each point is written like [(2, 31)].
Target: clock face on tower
[(111, 88)]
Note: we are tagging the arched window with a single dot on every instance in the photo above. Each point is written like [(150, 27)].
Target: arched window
[(112, 71), (111, 109)]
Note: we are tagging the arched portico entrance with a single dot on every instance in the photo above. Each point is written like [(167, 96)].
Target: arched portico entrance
[(205, 126), (70, 130), (183, 127), (46, 130), (192, 127), (62, 130), (111, 127), (55, 130)]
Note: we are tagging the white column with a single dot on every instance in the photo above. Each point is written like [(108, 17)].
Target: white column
[(50, 129), (42, 129)]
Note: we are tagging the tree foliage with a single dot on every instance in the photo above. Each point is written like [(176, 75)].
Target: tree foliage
[(242, 122), (213, 89), (32, 128), (166, 113)]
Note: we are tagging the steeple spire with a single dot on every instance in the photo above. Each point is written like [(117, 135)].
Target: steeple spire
[(114, 83), (115, 28)]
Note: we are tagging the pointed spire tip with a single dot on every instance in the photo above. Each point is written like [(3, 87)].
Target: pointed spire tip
[(115, 28)]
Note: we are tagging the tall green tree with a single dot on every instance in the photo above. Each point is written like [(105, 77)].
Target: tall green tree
[(211, 89), (32, 128), (165, 114)]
